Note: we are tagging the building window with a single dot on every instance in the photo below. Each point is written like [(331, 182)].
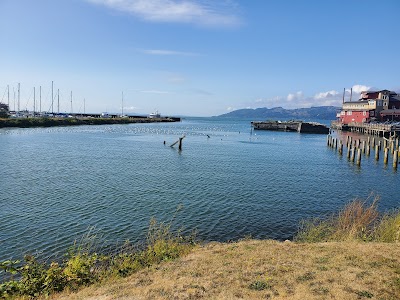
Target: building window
[(364, 113), (349, 113)]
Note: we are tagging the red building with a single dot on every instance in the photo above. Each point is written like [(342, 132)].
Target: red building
[(372, 106)]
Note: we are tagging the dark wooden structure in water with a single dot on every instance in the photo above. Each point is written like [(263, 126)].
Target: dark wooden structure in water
[(378, 129), (297, 126)]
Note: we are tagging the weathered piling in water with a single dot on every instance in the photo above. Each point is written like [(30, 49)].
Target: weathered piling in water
[(353, 153), (368, 150), (340, 148), (376, 152), (358, 157), (180, 143), (395, 159), (363, 146), (348, 153), (373, 142), (385, 156)]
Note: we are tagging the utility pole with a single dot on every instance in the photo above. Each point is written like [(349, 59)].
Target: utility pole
[(351, 93), (344, 91)]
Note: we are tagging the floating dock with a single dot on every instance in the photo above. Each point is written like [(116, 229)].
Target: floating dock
[(296, 126), (378, 129)]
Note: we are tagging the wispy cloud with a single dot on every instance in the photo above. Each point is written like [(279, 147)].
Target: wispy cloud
[(199, 12), (168, 52), (154, 92)]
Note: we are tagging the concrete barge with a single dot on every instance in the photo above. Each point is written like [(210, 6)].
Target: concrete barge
[(296, 126)]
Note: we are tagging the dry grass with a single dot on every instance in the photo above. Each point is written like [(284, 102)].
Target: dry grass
[(264, 270), (359, 220)]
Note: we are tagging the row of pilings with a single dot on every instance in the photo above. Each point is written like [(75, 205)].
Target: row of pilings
[(356, 147)]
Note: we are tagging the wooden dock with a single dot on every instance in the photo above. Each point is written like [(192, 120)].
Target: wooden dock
[(378, 129), (296, 126)]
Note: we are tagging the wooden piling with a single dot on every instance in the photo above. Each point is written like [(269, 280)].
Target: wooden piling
[(348, 153), (385, 156), (368, 140), (180, 143), (363, 146), (395, 159), (373, 142), (358, 157), (353, 153), (340, 148), (368, 150), (376, 152)]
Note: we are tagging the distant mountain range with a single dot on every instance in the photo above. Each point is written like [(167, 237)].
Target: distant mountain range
[(318, 112)]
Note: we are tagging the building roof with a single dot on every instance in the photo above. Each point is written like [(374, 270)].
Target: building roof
[(390, 111)]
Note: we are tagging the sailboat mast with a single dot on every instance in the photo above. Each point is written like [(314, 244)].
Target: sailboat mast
[(52, 97), (84, 106), (122, 107), (19, 94), (58, 101), (34, 100), (71, 102), (40, 99), (8, 95)]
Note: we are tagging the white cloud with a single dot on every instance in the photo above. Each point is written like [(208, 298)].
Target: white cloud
[(326, 95), (167, 52), (360, 88), (199, 12), (296, 96)]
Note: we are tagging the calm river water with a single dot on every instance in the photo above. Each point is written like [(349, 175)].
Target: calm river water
[(57, 183)]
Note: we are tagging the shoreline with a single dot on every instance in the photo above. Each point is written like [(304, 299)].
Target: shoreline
[(56, 122)]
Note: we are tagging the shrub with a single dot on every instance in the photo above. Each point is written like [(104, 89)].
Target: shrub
[(83, 266)]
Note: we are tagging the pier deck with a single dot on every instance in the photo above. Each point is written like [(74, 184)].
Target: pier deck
[(378, 129)]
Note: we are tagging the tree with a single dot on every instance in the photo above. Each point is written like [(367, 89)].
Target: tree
[(4, 110)]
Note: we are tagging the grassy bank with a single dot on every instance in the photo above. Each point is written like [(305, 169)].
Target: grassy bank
[(352, 254), (52, 122)]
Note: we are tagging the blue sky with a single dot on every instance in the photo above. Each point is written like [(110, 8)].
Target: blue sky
[(196, 57)]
